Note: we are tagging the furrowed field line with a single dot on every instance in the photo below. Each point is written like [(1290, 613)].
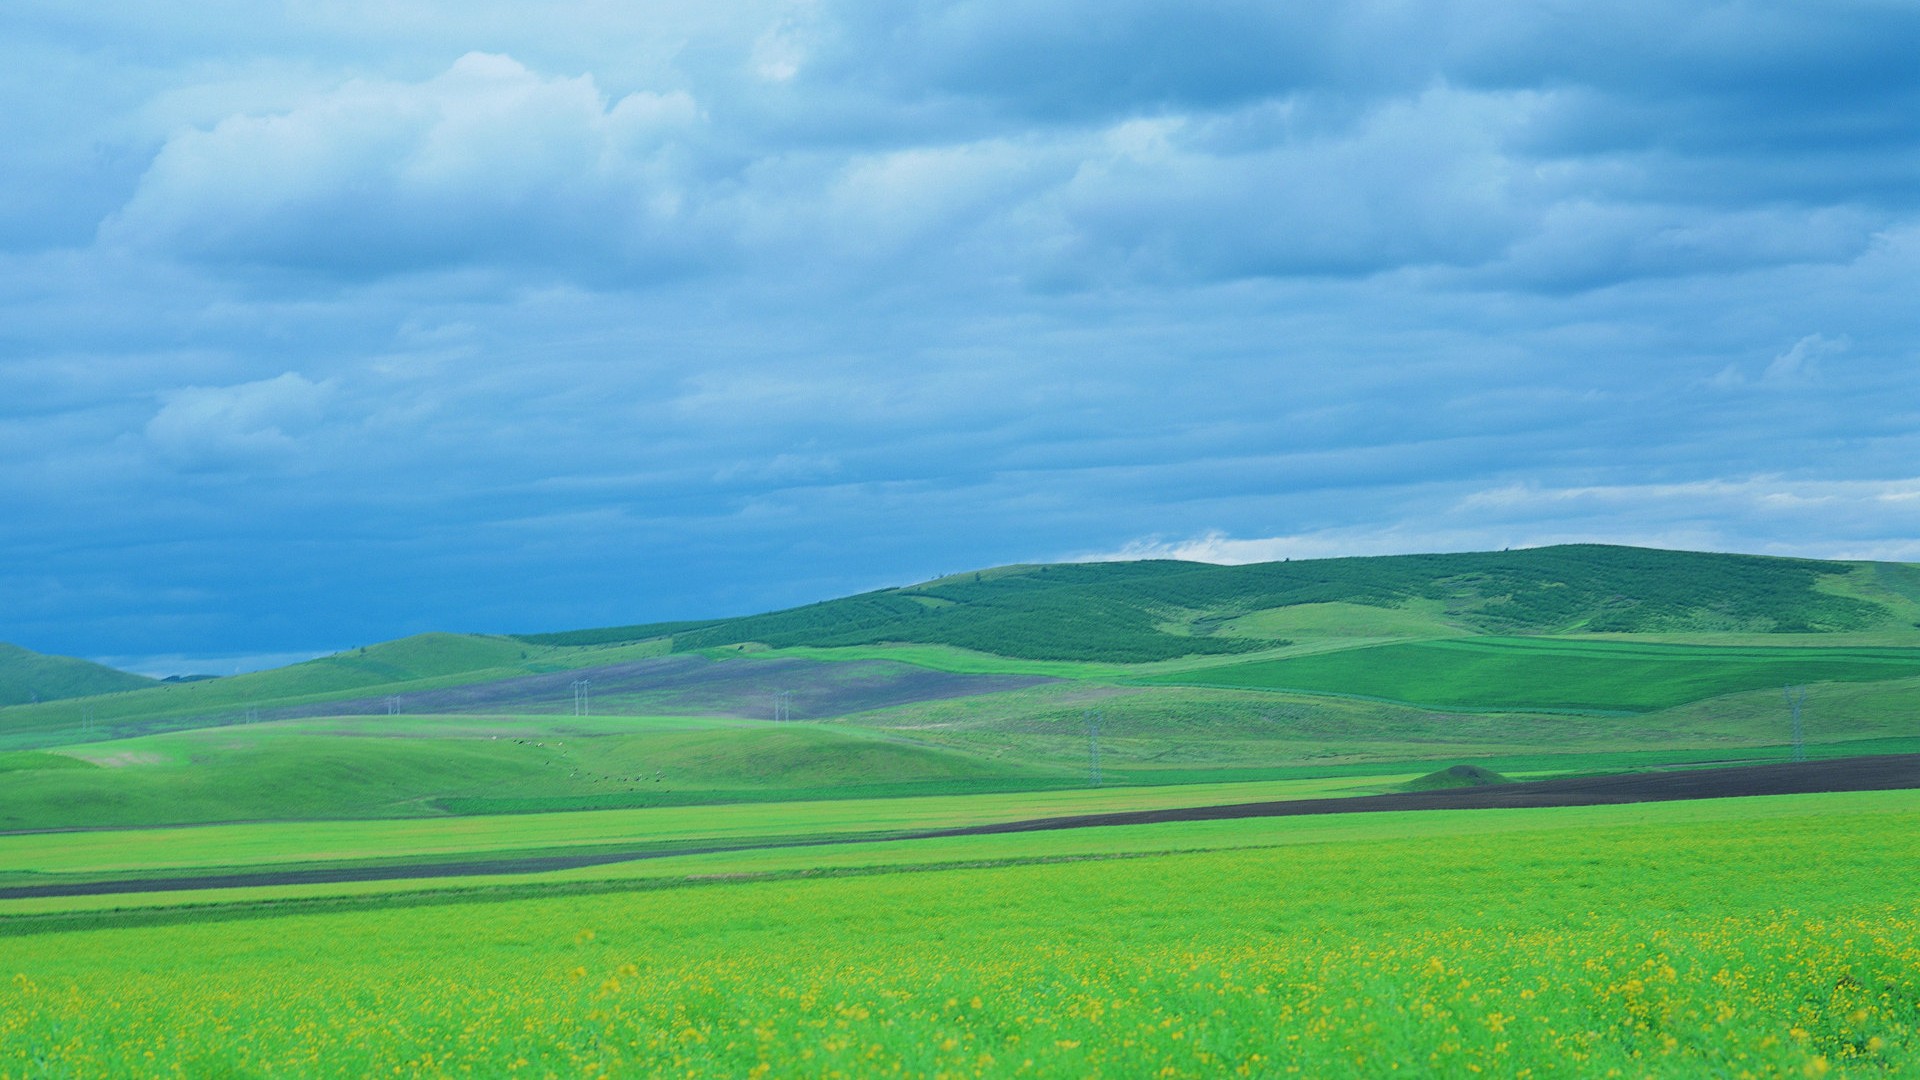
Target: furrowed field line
[(1877, 773)]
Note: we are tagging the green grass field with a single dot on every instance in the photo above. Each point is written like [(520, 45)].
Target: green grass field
[(1032, 739), (27, 677), (779, 923), (1546, 673), (49, 857), (399, 766), (1662, 940), (1138, 612), (421, 662)]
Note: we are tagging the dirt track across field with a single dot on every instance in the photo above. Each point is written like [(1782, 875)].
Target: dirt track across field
[(1883, 773)]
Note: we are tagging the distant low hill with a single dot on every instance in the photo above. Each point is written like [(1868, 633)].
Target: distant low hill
[(1386, 608), (27, 676), (1133, 612), (421, 661)]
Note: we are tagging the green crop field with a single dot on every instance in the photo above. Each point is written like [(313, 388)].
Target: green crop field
[(1663, 940), (1538, 673), (42, 858)]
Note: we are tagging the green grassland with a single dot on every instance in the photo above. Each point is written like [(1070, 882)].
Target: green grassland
[(1198, 674), (1138, 612), (780, 923), (425, 661), (27, 677), (1657, 940), (427, 766), (1536, 673), (1034, 740), (51, 857)]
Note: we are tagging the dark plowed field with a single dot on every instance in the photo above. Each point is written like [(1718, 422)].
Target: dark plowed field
[(686, 686), (1885, 773)]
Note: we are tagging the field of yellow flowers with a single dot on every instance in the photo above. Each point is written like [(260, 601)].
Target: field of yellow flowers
[(1641, 943)]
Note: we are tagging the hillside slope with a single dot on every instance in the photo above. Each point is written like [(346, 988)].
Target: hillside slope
[(1136, 612), (27, 676), (412, 663)]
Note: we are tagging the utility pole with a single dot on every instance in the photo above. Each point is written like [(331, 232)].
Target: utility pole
[(1093, 749), (1795, 699)]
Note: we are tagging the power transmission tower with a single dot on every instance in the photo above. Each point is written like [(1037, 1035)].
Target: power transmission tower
[(582, 702), (393, 706), (86, 721), (782, 705), (1795, 699), (1093, 749)]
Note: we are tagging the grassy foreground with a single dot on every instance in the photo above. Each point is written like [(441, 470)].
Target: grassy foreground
[(1761, 937)]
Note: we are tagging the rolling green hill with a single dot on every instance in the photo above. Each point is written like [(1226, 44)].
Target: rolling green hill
[(1581, 657), (1135, 612), (27, 676), (412, 663)]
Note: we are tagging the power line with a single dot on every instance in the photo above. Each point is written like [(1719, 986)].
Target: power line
[(1794, 701), (1093, 749)]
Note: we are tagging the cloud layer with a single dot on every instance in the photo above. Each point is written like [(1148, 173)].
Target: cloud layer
[(323, 326)]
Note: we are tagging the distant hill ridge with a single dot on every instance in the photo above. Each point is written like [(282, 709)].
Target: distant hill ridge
[(27, 676), (1132, 612), (1101, 612)]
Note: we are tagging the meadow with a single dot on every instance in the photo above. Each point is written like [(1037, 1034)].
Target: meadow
[(1758, 937), (1550, 673), (422, 858)]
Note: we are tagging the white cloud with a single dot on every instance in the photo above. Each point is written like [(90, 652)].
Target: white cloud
[(250, 425), (1853, 519), (1801, 364), (1217, 547), (1415, 182), (1797, 367), (486, 162)]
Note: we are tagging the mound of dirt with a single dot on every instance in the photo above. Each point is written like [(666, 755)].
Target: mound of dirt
[(1456, 776)]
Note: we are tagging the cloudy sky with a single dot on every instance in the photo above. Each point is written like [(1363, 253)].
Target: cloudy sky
[(324, 323)]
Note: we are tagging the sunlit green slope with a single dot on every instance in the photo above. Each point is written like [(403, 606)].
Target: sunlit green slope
[(27, 676)]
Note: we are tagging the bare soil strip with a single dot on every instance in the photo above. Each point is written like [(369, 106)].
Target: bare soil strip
[(1879, 773)]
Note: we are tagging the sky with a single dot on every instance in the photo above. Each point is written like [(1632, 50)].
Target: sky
[(326, 323)]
